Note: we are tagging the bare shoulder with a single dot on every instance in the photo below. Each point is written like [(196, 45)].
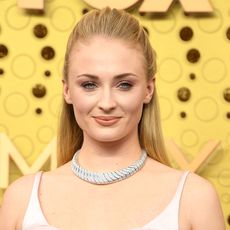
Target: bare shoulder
[(15, 201), (201, 190), (200, 204), (54, 176), (161, 170), (203, 203), (198, 185)]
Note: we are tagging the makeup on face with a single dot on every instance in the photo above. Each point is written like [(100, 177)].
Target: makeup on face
[(107, 87)]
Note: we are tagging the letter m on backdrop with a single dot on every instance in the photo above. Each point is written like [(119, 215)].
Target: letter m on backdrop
[(9, 152)]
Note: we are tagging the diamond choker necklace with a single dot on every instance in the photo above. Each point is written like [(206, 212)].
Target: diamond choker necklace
[(107, 177)]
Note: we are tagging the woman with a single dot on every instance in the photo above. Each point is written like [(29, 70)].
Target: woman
[(110, 124)]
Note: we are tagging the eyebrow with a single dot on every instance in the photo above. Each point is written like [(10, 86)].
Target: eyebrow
[(119, 76)]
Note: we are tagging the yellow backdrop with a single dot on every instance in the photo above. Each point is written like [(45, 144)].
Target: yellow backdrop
[(193, 83)]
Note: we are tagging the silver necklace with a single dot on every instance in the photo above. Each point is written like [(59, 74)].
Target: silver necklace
[(107, 177)]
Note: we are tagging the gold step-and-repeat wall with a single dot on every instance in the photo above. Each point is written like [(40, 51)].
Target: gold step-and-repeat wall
[(193, 55)]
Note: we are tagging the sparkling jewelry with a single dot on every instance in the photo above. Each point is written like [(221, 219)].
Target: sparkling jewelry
[(107, 177)]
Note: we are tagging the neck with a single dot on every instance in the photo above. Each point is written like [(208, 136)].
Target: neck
[(109, 156)]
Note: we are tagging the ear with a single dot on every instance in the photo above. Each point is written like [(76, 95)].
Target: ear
[(149, 90), (66, 92)]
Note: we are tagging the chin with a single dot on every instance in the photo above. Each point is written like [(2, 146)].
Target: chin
[(108, 136)]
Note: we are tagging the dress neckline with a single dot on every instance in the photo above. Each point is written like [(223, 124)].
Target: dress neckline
[(183, 176)]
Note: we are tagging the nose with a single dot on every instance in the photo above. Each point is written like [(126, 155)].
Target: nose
[(106, 100)]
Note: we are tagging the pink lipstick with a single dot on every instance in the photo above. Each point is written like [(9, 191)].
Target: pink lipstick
[(106, 120)]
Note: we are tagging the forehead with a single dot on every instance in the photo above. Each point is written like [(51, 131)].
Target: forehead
[(107, 54), (98, 40)]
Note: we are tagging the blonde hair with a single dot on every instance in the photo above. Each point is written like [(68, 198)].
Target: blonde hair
[(118, 24)]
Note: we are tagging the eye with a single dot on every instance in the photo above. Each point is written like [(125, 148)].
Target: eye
[(124, 85), (89, 85)]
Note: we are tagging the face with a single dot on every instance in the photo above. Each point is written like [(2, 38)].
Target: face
[(107, 87)]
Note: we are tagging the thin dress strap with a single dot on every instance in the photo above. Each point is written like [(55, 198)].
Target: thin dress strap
[(180, 186), (33, 213), (176, 201), (169, 217)]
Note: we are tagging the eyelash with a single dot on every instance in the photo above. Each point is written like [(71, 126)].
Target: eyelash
[(124, 85), (89, 85)]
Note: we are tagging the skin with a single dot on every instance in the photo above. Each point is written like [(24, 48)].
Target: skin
[(101, 75), (66, 200)]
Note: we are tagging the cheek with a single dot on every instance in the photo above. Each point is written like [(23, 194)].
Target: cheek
[(82, 103), (82, 107), (133, 103), (133, 106)]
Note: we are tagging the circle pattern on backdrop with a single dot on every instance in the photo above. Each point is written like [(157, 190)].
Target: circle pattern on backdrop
[(23, 66), (166, 107), (47, 52), (38, 111), (183, 114), (222, 176), (172, 66), (60, 66), (62, 18), (189, 138), (226, 94), (186, 33), (211, 24), (16, 19), (40, 31), (45, 134), (16, 104), (47, 73), (4, 129), (193, 55), (214, 70), (228, 33), (225, 197), (206, 109), (84, 11), (192, 76), (228, 138), (55, 104), (228, 115), (39, 90), (24, 145), (166, 25), (3, 51), (183, 94)]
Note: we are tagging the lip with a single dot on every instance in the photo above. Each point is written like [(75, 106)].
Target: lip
[(106, 120)]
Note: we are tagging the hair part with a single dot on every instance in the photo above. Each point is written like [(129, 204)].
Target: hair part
[(118, 24)]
